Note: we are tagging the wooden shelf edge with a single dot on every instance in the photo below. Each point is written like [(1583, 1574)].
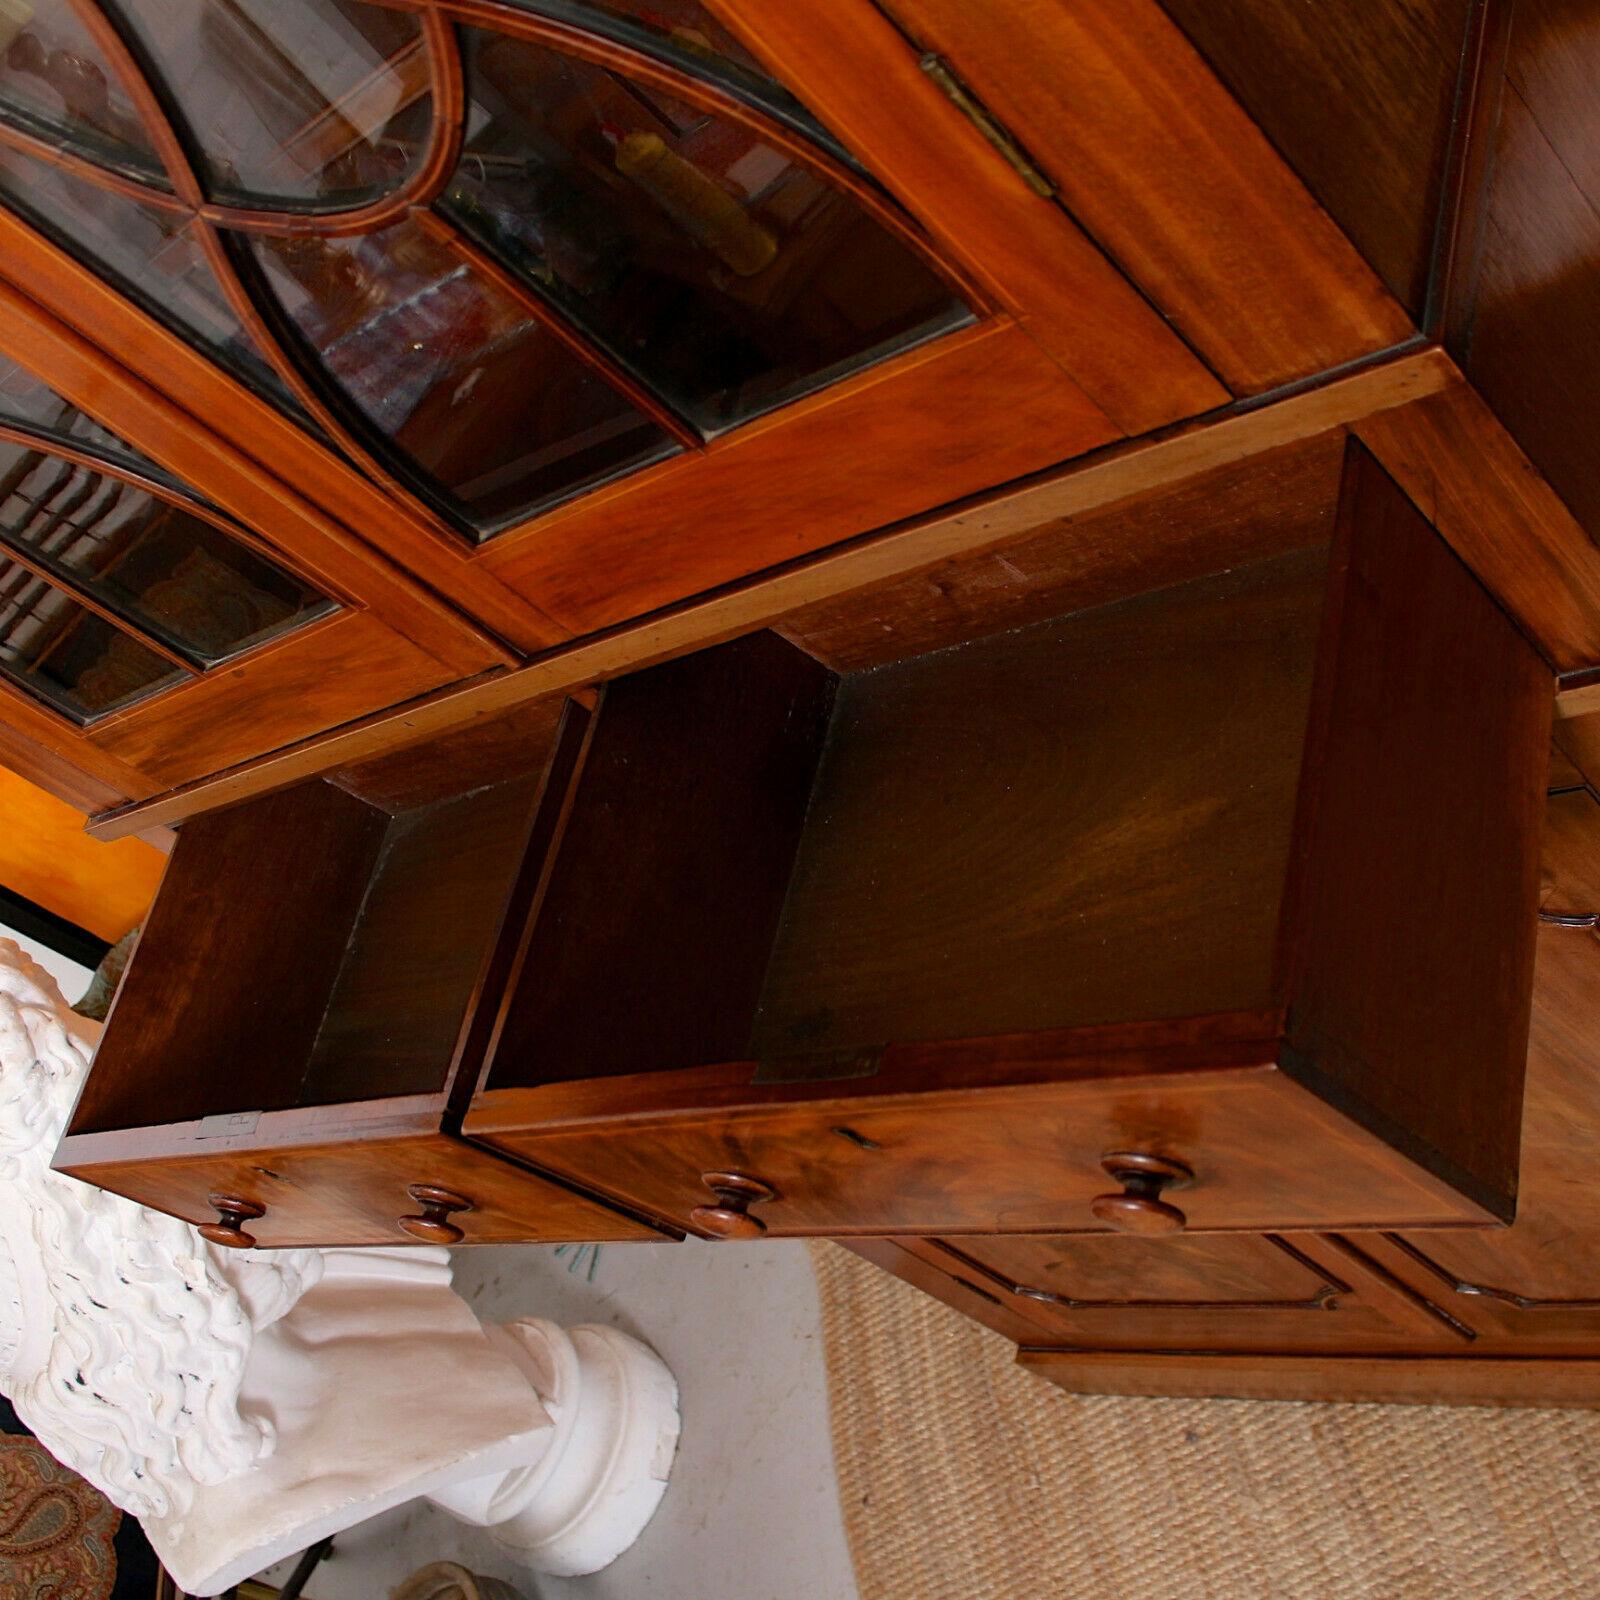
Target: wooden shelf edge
[(1114, 474)]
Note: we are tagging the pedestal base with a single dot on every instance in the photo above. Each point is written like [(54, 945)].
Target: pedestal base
[(614, 1409)]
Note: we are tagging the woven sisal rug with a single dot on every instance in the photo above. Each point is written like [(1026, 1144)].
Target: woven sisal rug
[(965, 1478)]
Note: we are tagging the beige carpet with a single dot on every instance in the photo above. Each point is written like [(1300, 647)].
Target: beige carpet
[(965, 1478)]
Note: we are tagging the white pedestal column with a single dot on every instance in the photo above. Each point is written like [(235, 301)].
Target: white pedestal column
[(613, 1407)]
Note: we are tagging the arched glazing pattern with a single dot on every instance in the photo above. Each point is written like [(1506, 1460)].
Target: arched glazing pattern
[(503, 251), (149, 253), (114, 582)]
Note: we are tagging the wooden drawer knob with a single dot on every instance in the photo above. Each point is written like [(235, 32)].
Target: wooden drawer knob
[(1140, 1208), (434, 1226), (730, 1217), (231, 1211)]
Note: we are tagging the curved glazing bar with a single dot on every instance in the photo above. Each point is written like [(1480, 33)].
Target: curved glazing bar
[(728, 276), (150, 255), (317, 105), (471, 395), (57, 86), (685, 35)]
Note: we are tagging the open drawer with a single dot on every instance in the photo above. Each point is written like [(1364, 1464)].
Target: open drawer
[(1212, 908), (353, 1186), (1149, 1129), (284, 1059)]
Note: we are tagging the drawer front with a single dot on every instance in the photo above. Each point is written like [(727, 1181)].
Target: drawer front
[(358, 1194), (1265, 1155), (1240, 1292)]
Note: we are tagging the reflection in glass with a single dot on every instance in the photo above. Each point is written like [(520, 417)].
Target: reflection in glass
[(313, 104), (626, 225), (148, 253), (164, 568), (63, 652), (496, 412), (730, 278), (34, 405), (56, 83), (684, 25), (685, 33)]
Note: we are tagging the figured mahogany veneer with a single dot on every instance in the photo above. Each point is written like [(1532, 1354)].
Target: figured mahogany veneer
[(347, 1183)]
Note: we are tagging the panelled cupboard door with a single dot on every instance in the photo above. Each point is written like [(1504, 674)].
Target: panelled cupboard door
[(1537, 1283), (149, 635), (574, 309), (1234, 1292)]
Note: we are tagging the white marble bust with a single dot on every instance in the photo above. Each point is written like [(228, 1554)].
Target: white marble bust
[(242, 1404)]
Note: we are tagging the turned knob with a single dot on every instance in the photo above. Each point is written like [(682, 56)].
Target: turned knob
[(1140, 1208), (434, 1226), (231, 1211), (730, 1217)]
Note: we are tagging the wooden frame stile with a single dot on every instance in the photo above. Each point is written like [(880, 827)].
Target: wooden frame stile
[(1080, 356), (56, 756), (1147, 151)]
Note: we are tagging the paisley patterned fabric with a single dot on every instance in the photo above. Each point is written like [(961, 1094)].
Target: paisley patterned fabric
[(56, 1532)]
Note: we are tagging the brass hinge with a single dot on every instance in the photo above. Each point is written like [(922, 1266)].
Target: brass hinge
[(979, 115)]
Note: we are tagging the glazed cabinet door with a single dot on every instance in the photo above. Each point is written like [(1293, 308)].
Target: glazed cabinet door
[(1237, 1292), (581, 310)]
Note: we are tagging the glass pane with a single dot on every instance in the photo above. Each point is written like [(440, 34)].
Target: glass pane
[(55, 82), (729, 277), (497, 414), (684, 32), (685, 25), (32, 404), (162, 567), (146, 253), (310, 104), (67, 655)]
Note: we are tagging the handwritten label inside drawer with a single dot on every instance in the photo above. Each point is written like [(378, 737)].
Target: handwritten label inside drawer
[(227, 1124)]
